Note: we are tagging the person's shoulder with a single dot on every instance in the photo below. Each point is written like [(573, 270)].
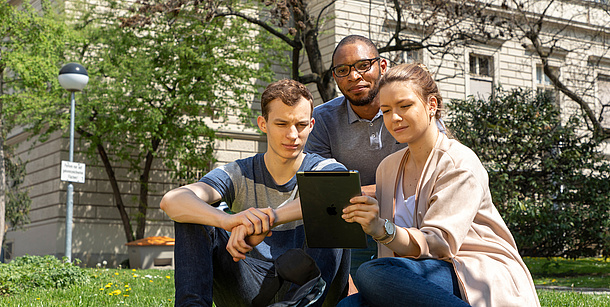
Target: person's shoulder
[(314, 161), (247, 165), (257, 158), (395, 157), (458, 151), (329, 107), (458, 155)]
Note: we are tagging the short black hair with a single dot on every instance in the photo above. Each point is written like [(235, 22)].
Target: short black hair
[(352, 39)]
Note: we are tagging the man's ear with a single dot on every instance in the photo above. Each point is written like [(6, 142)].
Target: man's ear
[(313, 121), (383, 64), (262, 124)]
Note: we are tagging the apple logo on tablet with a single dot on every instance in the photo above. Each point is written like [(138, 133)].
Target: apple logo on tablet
[(331, 210)]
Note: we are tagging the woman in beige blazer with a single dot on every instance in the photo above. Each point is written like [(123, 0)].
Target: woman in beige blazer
[(441, 240)]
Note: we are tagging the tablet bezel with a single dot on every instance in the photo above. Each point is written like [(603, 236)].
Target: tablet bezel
[(322, 190)]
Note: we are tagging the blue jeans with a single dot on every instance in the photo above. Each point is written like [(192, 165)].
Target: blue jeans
[(405, 282), (362, 255), (205, 270)]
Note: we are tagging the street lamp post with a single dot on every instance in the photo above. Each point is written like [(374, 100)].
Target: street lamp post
[(73, 77)]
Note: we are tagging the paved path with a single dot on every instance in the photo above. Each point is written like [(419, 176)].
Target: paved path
[(580, 290)]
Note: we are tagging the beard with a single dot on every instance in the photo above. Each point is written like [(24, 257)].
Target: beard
[(366, 99)]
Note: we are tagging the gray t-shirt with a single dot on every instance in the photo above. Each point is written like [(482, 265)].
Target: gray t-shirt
[(359, 144), (247, 183)]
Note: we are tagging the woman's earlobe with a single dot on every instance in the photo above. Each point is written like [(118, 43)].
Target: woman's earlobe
[(433, 104)]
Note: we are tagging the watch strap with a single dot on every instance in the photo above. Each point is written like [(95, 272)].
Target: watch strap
[(387, 238)]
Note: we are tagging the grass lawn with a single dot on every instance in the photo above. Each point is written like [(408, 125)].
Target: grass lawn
[(107, 287), (125, 287), (572, 299), (579, 273)]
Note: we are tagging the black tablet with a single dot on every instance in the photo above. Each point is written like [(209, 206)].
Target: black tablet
[(324, 194)]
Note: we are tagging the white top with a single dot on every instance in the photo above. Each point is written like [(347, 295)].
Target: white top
[(403, 216)]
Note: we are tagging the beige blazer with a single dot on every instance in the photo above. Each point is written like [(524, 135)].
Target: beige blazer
[(456, 221)]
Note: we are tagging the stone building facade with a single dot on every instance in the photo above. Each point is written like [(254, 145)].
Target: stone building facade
[(473, 69)]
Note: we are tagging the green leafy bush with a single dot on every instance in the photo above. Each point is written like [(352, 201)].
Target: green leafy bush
[(38, 272), (547, 175)]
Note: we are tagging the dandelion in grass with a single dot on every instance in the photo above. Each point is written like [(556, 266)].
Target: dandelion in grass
[(116, 273), (167, 277)]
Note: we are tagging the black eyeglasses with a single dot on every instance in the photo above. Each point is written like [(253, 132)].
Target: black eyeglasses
[(361, 67)]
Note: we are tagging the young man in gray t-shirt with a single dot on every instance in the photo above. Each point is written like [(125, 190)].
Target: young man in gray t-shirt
[(236, 269)]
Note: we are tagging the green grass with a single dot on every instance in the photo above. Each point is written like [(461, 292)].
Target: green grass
[(125, 287), (107, 287), (579, 273), (572, 299)]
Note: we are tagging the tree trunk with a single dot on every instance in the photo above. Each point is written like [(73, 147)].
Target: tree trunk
[(308, 31), (2, 167), (116, 192), (143, 206), (323, 76), (2, 184), (144, 189), (296, 53)]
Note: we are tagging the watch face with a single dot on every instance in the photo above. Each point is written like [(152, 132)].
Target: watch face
[(389, 227)]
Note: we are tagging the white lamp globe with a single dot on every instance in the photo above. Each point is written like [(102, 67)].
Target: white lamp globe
[(73, 77)]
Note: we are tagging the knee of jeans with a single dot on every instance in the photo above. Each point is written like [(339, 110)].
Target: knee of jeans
[(194, 234), (352, 300), (367, 274)]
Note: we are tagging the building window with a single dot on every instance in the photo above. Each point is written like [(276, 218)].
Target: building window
[(481, 76), (544, 84), (542, 80), (481, 65), (411, 56), (603, 95)]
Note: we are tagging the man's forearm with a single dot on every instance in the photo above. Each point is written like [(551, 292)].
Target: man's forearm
[(183, 206), (288, 212)]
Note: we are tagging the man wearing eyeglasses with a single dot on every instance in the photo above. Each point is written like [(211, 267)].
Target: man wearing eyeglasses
[(350, 128)]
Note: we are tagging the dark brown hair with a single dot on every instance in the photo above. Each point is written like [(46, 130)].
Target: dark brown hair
[(418, 76), (287, 90)]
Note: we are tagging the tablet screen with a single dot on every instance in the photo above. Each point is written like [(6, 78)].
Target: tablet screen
[(324, 194)]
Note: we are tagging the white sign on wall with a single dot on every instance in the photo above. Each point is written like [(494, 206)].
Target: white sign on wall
[(73, 171)]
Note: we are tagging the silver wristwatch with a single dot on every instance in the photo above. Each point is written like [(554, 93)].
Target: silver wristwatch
[(390, 232)]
